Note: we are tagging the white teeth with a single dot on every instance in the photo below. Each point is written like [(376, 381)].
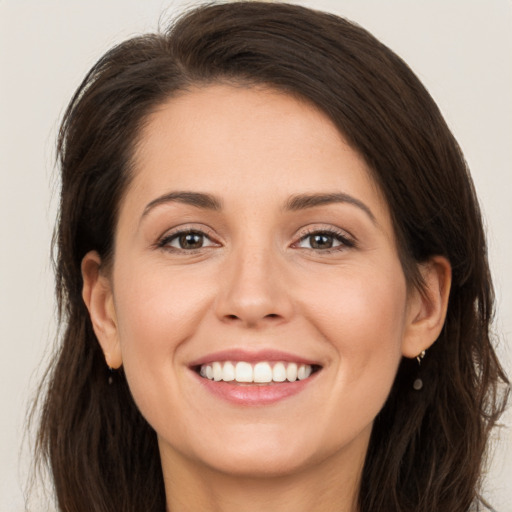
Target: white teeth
[(279, 372), (261, 373), (217, 371), (291, 372), (243, 372), (304, 371), (228, 372)]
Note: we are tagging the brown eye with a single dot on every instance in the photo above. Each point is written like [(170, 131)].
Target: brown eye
[(321, 241), (325, 240), (190, 241), (187, 241)]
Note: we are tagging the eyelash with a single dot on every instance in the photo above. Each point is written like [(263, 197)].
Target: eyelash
[(346, 242), (164, 242), (338, 235)]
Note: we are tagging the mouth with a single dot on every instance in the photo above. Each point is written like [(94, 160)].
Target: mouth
[(261, 373), (254, 378)]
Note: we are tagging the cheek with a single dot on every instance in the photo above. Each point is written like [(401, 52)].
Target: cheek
[(155, 304), (363, 321), (360, 311), (158, 309)]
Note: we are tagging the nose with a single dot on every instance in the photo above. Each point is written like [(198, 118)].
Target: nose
[(254, 290)]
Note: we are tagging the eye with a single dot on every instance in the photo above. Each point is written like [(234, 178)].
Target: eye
[(324, 241), (186, 241)]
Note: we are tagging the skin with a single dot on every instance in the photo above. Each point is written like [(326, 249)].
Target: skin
[(257, 283)]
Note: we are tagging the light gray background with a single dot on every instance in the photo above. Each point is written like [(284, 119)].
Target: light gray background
[(461, 49)]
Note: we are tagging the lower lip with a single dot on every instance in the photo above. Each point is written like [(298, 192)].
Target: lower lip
[(255, 394)]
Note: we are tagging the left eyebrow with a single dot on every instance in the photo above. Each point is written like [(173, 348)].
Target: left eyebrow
[(197, 199), (304, 201)]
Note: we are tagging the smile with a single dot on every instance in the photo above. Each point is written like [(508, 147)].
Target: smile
[(262, 372), (254, 378)]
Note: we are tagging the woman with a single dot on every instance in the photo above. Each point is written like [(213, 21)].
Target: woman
[(272, 271)]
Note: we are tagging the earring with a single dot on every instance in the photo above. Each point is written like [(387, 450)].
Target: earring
[(110, 375), (418, 383)]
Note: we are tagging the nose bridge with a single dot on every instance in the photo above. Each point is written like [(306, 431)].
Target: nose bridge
[(253, 288)]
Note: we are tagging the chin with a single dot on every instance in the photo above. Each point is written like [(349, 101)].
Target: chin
[(261, 463), (264, 452)]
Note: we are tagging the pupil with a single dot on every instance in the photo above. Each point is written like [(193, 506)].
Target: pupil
[(191, 241), (321, 241)]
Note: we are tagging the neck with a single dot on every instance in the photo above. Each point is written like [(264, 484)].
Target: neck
[(324, 487)]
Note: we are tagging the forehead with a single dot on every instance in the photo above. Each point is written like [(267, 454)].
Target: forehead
[(246, 143)]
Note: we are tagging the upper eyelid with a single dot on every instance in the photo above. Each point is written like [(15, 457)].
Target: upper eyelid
[(176, 234), (189, 228), (317, 228)]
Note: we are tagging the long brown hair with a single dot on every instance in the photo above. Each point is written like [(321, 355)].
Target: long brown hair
[(427, 447)]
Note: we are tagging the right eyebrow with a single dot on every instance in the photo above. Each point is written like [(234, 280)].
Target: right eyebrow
[(304, 201), (198, 199)]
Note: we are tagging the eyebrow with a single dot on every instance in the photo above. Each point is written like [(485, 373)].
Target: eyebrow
[(294, 203), (304, 201), (198, 199)]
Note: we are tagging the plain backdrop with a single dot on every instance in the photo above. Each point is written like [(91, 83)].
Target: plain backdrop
[(461, 50)]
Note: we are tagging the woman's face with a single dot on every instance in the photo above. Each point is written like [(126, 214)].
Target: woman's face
[(252, 244)]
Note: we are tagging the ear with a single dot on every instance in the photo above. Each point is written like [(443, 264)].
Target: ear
[(98, 297), (427, 307)]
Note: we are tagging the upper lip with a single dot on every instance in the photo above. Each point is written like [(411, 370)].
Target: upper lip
[(237, 354)]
